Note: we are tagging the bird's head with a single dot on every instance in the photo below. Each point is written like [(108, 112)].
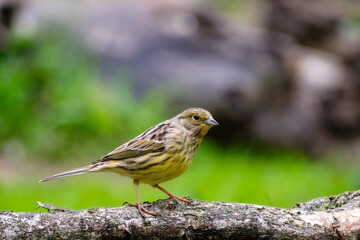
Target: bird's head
[(196, 120)]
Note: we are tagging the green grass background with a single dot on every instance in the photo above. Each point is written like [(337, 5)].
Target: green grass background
[(57, 113)]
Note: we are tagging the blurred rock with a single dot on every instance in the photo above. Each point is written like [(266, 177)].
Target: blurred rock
[(310, 22), (325, 71), (316, 75)]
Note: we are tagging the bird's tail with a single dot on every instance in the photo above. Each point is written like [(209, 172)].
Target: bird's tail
[(68, 173)]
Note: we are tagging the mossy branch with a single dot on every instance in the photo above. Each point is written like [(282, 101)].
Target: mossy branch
[(335, 217)]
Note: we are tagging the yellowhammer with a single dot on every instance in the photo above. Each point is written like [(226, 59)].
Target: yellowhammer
[(160, 154)]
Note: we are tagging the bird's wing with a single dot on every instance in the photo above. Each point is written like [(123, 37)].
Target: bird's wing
[(136, 149), (150, 141)]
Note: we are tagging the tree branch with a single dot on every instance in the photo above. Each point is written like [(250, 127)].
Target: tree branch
[(335, 217)]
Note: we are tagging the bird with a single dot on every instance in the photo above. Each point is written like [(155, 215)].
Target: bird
[(161, 153)]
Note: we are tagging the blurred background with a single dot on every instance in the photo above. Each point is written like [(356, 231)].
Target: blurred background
[(79, 78)]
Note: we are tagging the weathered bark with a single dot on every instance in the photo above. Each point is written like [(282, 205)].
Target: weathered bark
[(336, 217)]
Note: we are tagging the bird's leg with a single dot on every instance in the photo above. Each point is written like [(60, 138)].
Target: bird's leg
[(140, 207), (171, 196)]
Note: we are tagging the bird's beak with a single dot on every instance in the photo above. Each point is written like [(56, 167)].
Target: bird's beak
[(211, 122)]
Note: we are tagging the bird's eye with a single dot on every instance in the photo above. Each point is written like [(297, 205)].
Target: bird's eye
[(196, 117)]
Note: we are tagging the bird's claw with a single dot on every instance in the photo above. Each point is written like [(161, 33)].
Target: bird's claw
[(179, 199), (141, 208)]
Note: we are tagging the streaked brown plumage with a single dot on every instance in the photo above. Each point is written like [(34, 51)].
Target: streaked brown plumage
[(160, 154)]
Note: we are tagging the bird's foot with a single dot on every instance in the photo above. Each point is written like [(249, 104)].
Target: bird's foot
[(183, 199), (141, 208), (171, 196)]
